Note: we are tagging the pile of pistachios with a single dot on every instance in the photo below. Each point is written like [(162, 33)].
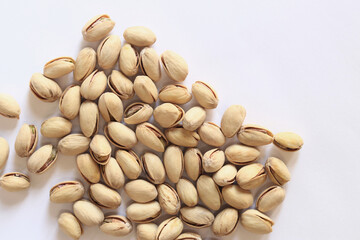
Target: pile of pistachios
[(217, 184)]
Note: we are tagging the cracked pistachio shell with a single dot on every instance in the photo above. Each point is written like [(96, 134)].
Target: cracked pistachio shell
[(69, 103), (194, 118), (211, 134), (174, 65), (193, 163), (56, 127), (108, 51), (70, 225), (169, 199), (100, 149), (139, 36), (26, 140), (251, 176), (277, 171), (150, 63), (213, 160), (97, 28), (42, 159), (59, 67), (270, 198), (232, 120), (120, 135), (241, 155), (116, 225), (169, 229), (137, 112), (168, 115), (141, 191), (196, 217), (121, 85), (189, 236), (67, 192), (14, 181), (254, 135), (9, 107), (146, 231), (187, 192), (129, 163), (288, 141), (94, 85), (174, 163), (153, 168), (143, 212), (256, 222), (44, 88), (89, 118), (145, 88), (104, 196), (205, 95), (112, 174), (111, 107), (151, 136), (129, 60), (237, 197), (182, 137), (88, 213), (85, 64), (4, 152), (74, 144), (209, 192), (175, 93), (88, 168), (225, 222), (225, 176)]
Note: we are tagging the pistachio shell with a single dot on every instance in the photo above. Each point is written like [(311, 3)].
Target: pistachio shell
[(141, 191), (94, 85), (175, 93), (97, 28), (120, 135), (112, 174), (169, 199), (232, 120), (139, 36), (211, 134), (56, 127), (197, 217), (187, 192), (205, 95), (145, 88), (209, 192), (174, 65), (89, 118), (168, 115), (14, 181), (69, 103), (194, 118), (169, 229), (150, 63), (237, 197), (146, 231), (174, 163), (104, 196), (213, 160), (189, 236), (225, 222), (129, 162), (225, 176), (70, 225), (277, 171), (26, 140), (9, 107), (193, 163), (66, 192), (254, 135), (251, 176), (73, 144), (100, 149), (59, 67), (143, 212), (121, 85), (116, 225), (44, 88), (42, 159), (137, 112), (111, 107), (88, 213), (88, 168), (108, 51), (182, 137), (153, 168), (288, 141), (151, 136), (241, 155), (4, 152), (129, 60), (270, 198), (85, 64), (256, 222)]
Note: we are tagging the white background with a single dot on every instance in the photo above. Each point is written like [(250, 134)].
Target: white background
[(294, 65)]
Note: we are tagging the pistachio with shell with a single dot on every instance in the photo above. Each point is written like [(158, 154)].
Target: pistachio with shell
[(129, 60), (108, 51), (112, 174), (88, 168), (175, 93), (174, 163), (4, 152), (110, 107), (104, 196), (205, 95), (168, 198), (70, 225), (67, 192), (151, 136), (74, 144), (26, 140), (153, 168), (97, 28), (179, 136), (225, 175), (45, 89), (116, 225), (232, 120), (143, 212), (145, 89), (69, 103), (94, 85), (150, 63), (251, 176), (209, 192), (88, 213), (213, 160), (169, 229), (120, 135), (196, 217), (146, 231), (137, 112), (194, 118), (193, 163), (256, 222), (187, 192), (237, 197), (288, 141), (85, 64), (59, 67), (168, 115), (225, 222), (139, 36), (56, 127), (141, 191), (189, 236), (211, 134), (100, 149), (241, 155), (14, 181), (255, 135), (9, 107), (42, 159), (121, 85), (129, 163), (89, 118), (270, 198), (174, 65), (277, 171)]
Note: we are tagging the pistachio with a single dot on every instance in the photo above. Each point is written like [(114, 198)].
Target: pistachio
[(174, 163), (89, 118), (69, 103), (97, 28), (116, 225), (241, 155), (150, 63), (141, 191), (169, 229), (251, 176), (4, 152), (137, 112), (153, 168), (129, 60), (111, 107), (146, 231), (67, 192), (205, 95), (88, 213), (254, 135), (129, 163), (70, 225), (288, 141), (120, 135), (237, 197), (104, 196), (225, 176), (108, 51), (182, 137), (270, 198), (196, 217), (213, 160), (168, 115), (112, 174), (187, 192), (143, 212), (14, 181), (139, 36), (74, 144), (174, 65), (9, 107), (169, 199), (121, 85), (56, 127), (277, 171), (209, 192), (94, 85), (26, 140), (88, 168), (151, 136), (256, 222), (211, 134), (193, 163), (100, 149), (175, 93), (145, 88), (85, 64), (189, 236), (225, 222), (42, 159), (59, 67), (44, 88), (194, 118), (232, 120)]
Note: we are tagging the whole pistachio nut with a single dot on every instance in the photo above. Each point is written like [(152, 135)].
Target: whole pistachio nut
[(194, 118), (42, 159), (174, 65), (169, 199), (225, 176), (182, 137), (139, 36), (104, 196), (74, 144), (151, 136), (169, 229), (129, 60), (121, 85), (254, 135), (120, 135), (26, 140), (143, 212), (100, 149), (277, 171), (251, 176), (108, 51), (150, 63), (209, 192), (112, 174), (129, 163), (88, 168), (89, 118), (9, 107), (193, 163), (70, 225), (85, 64), (241, 155), (187, 192), (59, 67), (97, 28), (145, 88), (232, 120), (153, 168), (69, 103), (14, 181), (225, 222), (88, 213), (205, 95), (137, 112), (56, 127), (146, 231), (168, 115), (288, 141), (44, 88), (67, 192), (211, 134), (141, 191), (94, 85), (4, 152), (189, 236), (256, 222), (213, 160), (116, 225), (174, 163), (270, 198), (111, 107), (196, 217), (175, 93), (237, 197)]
